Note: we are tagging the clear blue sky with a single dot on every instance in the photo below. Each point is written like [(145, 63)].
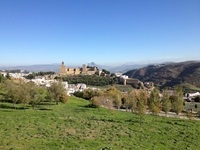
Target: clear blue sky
[(100, 31)]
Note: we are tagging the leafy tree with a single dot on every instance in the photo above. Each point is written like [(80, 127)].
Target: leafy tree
[(31, 76), (141, 103), (8, 76), (154, 101), (12, 91), (114, 95), (105, 71), (102, 100), (37, 94), (166, 102), (87, 94), (2, 78), (131, 101), (56, 90), (24, 91), (90, 80), (117, 101), (177, 101)]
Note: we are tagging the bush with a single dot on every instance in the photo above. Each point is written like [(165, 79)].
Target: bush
[(64, 98)]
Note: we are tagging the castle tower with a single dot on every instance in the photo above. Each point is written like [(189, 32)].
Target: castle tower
[(84, 69), (62, 70)]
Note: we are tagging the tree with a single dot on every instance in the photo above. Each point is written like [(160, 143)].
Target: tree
[(37, 94), (154, 101), (117, 100), (166, 103), (141, 104), (12, 91), (25, 93), (8, 76), (2, 78), (102, 100), (105, 71), (56, 90), (177, 101), (131, 101), (114, 95)]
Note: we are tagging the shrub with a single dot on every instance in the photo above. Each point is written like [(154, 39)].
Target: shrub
[(64, 98)]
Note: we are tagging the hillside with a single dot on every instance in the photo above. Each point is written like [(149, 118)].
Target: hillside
[(75, 126), (169, 75)]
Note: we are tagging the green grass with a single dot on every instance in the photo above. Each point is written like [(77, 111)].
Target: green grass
[(75, 126), (192, 105), (189, 88)]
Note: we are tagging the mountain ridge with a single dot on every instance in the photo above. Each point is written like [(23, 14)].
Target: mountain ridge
[(169, 75)]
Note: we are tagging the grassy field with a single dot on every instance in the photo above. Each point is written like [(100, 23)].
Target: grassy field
[(75, 126)]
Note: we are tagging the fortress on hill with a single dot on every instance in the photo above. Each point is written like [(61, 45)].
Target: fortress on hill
[(63, 70)]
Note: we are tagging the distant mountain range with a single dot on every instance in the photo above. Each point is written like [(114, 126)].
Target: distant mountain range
[(55, 67), (34, 68), (121, 68), (168, 75)]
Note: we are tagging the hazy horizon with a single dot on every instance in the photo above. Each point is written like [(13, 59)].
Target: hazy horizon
[(105, 64)]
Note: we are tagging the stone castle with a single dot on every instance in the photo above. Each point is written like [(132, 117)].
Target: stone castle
[(76, 71)]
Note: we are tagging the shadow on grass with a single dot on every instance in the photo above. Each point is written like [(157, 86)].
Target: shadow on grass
[(5, 110), (46, 103), (3, 106), (90, 106), (106, 120), (48, 109), (7, 101), (133, 121)]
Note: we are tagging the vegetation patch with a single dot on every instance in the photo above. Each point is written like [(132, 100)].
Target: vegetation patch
[(74, 126)]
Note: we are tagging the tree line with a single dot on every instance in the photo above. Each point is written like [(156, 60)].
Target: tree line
[(28, 93), (33, 75), (137, 101), (93, 80)]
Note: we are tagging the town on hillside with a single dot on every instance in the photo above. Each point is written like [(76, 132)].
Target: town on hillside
[(46, 78)]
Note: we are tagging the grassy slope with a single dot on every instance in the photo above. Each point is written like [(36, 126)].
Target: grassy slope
[(73, 126)]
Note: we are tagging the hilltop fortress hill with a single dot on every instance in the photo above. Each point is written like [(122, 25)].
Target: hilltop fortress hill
[(63, 70)]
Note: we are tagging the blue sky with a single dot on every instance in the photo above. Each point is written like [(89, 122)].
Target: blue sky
[(100, 31)]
